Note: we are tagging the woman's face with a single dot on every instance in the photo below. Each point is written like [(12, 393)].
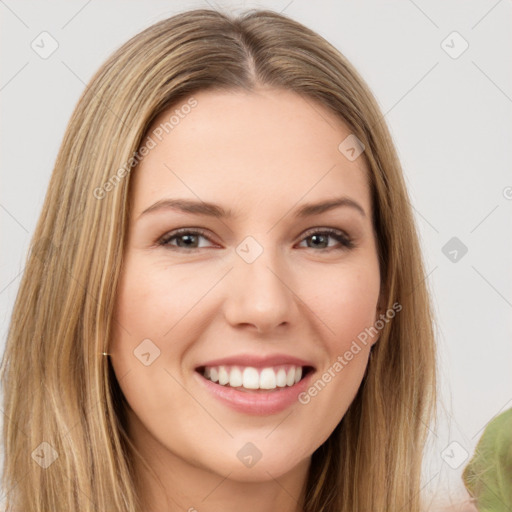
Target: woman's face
[(255, 286)]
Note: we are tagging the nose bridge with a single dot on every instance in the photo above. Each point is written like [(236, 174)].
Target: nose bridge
[(258, 294)]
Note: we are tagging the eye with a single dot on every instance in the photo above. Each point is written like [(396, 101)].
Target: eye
[(320, 239), (185, 238)]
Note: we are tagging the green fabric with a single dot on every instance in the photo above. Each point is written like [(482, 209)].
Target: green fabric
[(488, 475)]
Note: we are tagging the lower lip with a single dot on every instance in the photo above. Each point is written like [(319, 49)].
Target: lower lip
[(259, 403)]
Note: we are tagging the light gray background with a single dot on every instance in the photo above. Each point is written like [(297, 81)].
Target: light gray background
[(450, 119)]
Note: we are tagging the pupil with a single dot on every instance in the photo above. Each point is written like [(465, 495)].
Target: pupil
[(317, 237), (190, 238)]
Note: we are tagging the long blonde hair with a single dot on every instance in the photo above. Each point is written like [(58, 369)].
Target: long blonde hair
[(58, 387)]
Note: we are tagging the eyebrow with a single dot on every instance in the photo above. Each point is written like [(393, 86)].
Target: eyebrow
[(215, 210)]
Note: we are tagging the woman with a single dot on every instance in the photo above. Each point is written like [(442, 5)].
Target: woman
[(224, 306)]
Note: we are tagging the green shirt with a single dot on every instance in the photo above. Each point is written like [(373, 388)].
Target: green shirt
[(488, 475)]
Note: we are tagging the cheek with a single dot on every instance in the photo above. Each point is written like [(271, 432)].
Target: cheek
[(345, 301), (152, 301), (153, 311), (348, 309), (164, 305)]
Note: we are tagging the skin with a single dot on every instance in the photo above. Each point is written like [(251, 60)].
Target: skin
[(261, 154)]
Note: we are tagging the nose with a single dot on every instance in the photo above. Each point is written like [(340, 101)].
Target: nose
[(260, 294)]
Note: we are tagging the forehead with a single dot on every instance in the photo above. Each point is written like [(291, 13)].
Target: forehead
[(269, 147)]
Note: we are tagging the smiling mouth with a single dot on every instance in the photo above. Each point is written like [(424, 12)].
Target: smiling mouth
[(255, 380)]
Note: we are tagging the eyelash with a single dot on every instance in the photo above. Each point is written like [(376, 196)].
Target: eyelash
[(345, 242)]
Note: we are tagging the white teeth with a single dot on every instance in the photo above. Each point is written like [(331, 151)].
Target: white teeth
[(290, 377), (235, 378), (268, 379), (281, 378), (252, 378), (223, 376)]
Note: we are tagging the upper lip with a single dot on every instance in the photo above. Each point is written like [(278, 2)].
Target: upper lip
[(257, 361)]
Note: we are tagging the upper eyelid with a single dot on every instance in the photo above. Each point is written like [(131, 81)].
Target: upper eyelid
[(325, 230)]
